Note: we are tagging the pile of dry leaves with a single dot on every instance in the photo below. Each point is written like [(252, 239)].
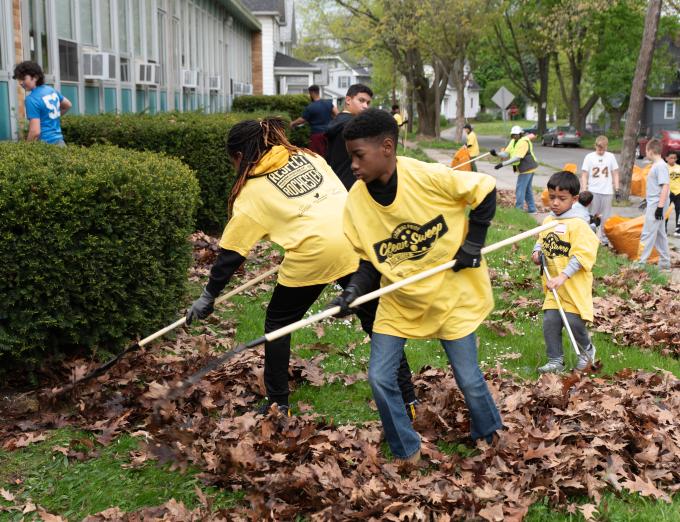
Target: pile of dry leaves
[(619, 434), (648, 318)]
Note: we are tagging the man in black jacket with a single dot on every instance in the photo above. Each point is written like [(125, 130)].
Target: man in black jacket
[(357, 100)]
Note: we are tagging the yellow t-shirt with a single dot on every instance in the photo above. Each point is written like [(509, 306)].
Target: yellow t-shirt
[(674, 171), (572, 237), (472, 144), (422, 228), (297, 202)]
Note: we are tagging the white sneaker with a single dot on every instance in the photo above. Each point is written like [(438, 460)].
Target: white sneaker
[(586, 358), (552, 366), (676, 233)]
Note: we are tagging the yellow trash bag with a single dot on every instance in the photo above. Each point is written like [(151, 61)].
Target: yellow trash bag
[(638, 182), (569, 167), (461, 156), (624, 235)]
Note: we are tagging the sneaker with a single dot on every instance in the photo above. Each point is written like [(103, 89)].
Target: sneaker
[(265, 408), (411, 409), (677, 232), (413, 460), (532, 212), (586, 358), (552, 366)]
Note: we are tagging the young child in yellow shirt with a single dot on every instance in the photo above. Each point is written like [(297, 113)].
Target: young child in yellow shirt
[(569, 251), (674, 171)]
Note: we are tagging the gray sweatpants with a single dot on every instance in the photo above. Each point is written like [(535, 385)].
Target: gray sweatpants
[(601, 204), (552, 332), (654, 236)]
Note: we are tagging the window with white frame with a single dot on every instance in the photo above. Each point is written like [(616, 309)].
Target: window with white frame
[(4, 46), (37, 34), (669, 110), (65, 23), (149, 23), (105, 19), (343, 81), (87, 33), (137, 27), (123, 41), (162, 45)]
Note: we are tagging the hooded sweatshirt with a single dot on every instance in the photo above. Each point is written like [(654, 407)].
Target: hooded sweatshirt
[(336, 153), (571, 243), (297, 202)]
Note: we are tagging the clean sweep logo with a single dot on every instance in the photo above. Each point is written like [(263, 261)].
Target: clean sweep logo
[(297, 178), (410, 241), (553, 246)]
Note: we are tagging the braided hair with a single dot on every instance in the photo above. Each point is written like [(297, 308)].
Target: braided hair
[(253, 139)]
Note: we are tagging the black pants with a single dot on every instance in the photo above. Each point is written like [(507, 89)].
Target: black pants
[(675, 199), (290, 304)]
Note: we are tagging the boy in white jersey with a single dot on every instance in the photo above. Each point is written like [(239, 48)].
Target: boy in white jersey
[(600, 175), (404, 216)]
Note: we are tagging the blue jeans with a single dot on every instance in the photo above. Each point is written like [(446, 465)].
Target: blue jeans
[(524, 191), (386, 353)]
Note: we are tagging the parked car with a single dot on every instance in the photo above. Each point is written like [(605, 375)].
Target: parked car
[(670, 140), (530, 130), (562, 136), (594, 129)]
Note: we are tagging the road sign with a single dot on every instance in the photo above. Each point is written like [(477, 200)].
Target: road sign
[(503, 98)]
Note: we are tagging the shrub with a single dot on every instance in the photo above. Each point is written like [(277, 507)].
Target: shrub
[(484, 117), (197, 139), (290, 105), (93, 246)]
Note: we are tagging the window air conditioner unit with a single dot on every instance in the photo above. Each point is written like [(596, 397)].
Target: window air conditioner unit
[(148, 73), (242, 88), (189, 78), (99, 66), (215, 83)]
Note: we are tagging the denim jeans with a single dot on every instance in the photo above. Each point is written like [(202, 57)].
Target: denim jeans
[(524, 191), (386, 353)]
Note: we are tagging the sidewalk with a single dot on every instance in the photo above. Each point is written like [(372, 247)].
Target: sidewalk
[(506, 179)]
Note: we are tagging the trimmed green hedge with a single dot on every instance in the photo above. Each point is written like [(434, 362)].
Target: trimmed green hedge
[(93, 246), (197, 139), (279, 104)]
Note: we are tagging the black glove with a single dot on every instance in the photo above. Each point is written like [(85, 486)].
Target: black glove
[(201, 308), (468, 256), (493, 152), (498, 166), (617, 195), (348, 295), (596, 220), (658, 213)]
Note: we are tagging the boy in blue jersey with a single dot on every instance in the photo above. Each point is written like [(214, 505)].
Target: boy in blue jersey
[(44, 104)]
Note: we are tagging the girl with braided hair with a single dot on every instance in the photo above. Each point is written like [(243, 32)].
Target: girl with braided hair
[(290, 196)]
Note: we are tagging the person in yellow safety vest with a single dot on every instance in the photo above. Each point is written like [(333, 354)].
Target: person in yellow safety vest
[(471, 144), (520, 154)]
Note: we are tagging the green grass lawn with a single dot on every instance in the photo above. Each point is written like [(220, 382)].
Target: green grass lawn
[(75, 489), (615, 143)]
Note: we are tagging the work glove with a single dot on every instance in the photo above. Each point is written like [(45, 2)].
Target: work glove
[(493, 152), (201, 308), (498, 166), (658, 214), (596, 220), (468, 256), (348, 295), (617, 195)]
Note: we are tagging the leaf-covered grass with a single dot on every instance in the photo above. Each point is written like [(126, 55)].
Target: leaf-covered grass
[(75, 489)]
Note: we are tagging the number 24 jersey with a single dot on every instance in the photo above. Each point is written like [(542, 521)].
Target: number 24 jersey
[(600, 169)]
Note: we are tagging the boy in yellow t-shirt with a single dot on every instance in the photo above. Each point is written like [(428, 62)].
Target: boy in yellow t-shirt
[(292, 198), (569, 250), (404, 216), (674, 171)]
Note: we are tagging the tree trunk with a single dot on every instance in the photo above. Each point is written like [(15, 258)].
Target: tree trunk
[(542, 102), (459, 82), (637, 93), (615, 116)]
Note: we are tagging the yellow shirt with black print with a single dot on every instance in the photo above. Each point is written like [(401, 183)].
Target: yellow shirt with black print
[(423, 227)]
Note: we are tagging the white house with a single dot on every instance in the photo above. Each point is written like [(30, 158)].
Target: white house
[(470, 95), (281, 73), (337, 74), (128, 55)]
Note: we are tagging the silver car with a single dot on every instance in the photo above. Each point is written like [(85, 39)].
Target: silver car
[(565, 135)]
